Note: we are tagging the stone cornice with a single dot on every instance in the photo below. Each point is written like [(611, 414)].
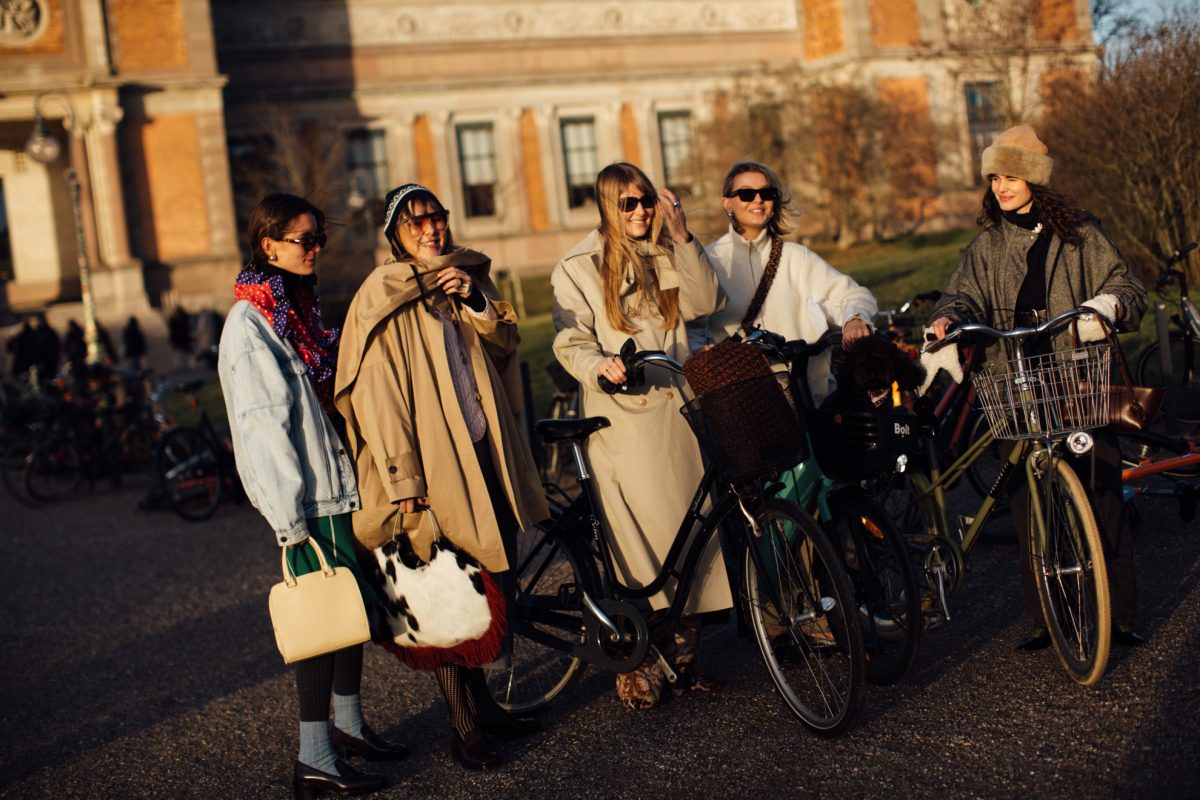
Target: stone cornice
[(384, 23)]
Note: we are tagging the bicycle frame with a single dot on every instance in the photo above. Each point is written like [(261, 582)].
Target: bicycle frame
[(686, 549)]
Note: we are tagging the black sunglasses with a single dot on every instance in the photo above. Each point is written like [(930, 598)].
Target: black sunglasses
[(628, 204), (769, 194), (308, 241)]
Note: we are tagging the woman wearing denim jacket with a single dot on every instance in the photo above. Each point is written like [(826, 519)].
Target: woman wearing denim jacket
[(276, 367)]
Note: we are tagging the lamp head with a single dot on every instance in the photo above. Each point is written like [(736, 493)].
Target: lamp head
[(41, 146)]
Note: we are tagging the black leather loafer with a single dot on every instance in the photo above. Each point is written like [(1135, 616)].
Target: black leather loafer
[(473, 751), (1038, 639), (511, 728), (1127, 637), (309, 782), (371, 746)]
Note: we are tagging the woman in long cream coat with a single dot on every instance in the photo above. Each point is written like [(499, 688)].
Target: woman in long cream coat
[(641, 275)]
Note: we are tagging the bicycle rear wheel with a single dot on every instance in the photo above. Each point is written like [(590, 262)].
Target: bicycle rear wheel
[(1071, 576), (1149, 372), (811, 641), (884, 581), (53, 470), (189, 470), (983, 470), (546, 621)]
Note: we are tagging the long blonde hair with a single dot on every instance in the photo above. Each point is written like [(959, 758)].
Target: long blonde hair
[(619, 250)]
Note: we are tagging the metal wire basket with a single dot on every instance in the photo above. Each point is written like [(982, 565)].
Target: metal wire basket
[(749, 429), (1038, 396)]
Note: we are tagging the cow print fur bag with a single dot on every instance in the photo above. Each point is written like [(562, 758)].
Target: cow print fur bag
[(446, 611)]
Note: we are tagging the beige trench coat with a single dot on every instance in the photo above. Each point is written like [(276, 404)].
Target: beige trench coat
[(647, 465), (405, 428)]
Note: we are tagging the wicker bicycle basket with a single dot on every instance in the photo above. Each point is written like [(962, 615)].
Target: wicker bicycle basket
[(860, 445), (749, 429), (1048, 395)]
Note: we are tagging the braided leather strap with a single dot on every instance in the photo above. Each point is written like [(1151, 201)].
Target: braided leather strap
[(764, 284)]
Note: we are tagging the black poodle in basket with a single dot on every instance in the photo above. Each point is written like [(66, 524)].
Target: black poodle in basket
[(866, 372)]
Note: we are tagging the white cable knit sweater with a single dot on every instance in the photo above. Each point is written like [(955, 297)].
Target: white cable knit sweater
[(807, 297)]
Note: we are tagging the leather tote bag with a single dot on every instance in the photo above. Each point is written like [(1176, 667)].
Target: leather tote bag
[(317, 613)]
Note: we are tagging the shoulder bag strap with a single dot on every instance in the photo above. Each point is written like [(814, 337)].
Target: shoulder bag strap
[(764, 284)]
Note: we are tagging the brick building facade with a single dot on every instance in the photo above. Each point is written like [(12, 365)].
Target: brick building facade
[(192, 108)]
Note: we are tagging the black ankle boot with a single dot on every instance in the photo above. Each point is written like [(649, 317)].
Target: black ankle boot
[(473, 751), (310, 782)]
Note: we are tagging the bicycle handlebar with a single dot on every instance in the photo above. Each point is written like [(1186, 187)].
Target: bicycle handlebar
[(1052, 324), (636, 361)]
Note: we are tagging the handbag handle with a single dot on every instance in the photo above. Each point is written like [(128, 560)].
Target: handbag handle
[(437, 528), (1119, 356), (290, 579)]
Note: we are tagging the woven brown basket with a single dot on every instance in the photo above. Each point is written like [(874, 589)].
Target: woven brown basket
[(749, 429)]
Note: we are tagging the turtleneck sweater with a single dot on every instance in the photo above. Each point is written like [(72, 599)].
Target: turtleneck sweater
[(1032, 294)]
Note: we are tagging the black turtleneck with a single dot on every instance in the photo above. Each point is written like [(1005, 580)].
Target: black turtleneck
[(290, 282), (1032, 294)]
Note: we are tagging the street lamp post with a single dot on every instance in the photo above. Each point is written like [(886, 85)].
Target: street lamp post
[(43, 148)]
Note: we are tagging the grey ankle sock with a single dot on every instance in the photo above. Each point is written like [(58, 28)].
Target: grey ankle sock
[(316, 748), (347, 714)]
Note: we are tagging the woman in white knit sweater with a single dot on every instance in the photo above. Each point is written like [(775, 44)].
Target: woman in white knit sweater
[(806, 296)]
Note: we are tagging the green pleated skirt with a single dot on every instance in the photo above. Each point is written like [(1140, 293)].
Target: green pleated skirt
[(335, 536)]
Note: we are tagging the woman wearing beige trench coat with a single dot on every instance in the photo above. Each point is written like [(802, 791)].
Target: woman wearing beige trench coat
[(427, 381), (640, 275)]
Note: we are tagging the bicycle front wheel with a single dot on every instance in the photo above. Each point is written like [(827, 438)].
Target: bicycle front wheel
[(884, 581), (546, 622), (190, 472), (804, 618), (1071, 576), (53, 470)]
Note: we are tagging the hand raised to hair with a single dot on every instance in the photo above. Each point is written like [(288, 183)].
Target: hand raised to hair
[(673, 216)]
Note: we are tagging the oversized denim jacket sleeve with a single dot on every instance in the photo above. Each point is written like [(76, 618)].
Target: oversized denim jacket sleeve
[(258, 398)]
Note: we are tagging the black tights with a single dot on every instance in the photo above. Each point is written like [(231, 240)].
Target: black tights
[(340, 672), (468, 698)]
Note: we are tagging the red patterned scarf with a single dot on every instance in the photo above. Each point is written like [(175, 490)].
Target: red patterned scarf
[(302, 327)]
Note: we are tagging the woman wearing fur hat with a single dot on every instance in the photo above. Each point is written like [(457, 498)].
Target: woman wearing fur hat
[(1036, 257), (802, 296), (428, 383), (640, 275)]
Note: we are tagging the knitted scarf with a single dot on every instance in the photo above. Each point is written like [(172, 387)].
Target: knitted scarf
[(302, 327)]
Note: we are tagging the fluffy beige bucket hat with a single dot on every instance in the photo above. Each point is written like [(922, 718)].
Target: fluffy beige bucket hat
[(1019, 153)]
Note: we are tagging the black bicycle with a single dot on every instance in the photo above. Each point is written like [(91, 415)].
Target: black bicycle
[(573, 608), (1183, 376), (195, 466)]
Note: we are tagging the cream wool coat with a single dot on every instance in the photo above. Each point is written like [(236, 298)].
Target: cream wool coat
[(406, 430), (806, 298), (647, 464)]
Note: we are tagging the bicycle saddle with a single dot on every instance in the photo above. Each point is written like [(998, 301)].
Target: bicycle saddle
[(569, 430)]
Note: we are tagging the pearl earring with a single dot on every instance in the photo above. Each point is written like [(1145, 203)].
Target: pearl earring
[(271, 257)]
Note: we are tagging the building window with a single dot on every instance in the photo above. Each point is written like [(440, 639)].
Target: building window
[(477, 163), (984, 121), (580, 157), (675, 138), (366, 161)]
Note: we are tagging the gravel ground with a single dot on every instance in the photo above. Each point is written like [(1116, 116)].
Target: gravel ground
[(141, 663)]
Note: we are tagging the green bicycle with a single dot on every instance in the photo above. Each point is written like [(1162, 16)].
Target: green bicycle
[(1045, 403)]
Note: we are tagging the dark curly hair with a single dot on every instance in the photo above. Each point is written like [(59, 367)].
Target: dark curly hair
[(1056, 212)]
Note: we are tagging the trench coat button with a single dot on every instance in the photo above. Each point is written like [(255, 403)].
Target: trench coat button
[(478, 397), (641, 401), (283, 539), (391, 470), (670, 395), (341, 452), (352, 504)]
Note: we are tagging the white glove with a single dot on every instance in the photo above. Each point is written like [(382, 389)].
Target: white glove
[(944, 358), (1091, 329)]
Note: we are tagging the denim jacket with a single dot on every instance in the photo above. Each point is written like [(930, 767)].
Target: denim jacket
[(291, 461)]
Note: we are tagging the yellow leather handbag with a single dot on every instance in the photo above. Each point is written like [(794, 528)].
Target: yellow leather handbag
[(317, 613)]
